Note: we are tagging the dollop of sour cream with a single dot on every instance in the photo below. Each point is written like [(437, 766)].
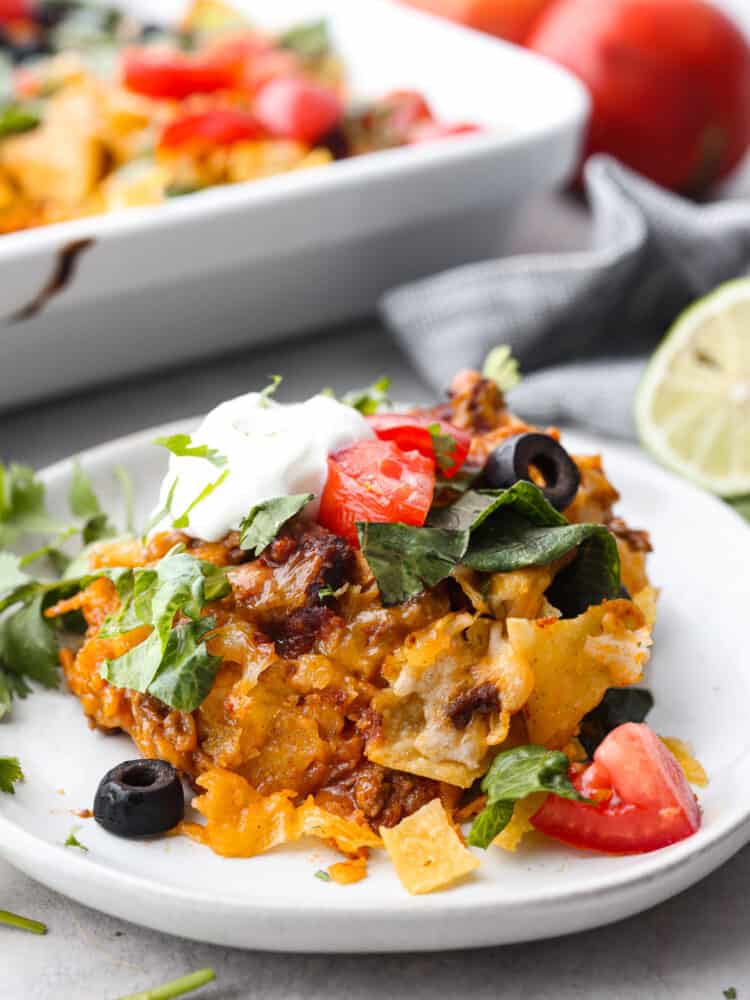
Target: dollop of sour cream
[(272, 450)]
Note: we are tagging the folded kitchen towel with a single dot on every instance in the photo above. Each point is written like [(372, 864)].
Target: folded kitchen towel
[(587, 318)]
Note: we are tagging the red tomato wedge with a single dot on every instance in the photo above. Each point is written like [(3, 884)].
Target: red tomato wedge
[(211, 128), (410, 431), (375, 481), (163, 73), (646, 801), (291, 107), (16, 10)]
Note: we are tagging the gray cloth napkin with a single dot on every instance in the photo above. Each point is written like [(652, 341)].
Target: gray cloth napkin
[(587, 318)]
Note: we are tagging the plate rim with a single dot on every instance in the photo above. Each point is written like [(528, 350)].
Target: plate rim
[(657, 865)]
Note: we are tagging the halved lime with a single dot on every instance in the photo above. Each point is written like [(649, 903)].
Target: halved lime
[(692, 409)]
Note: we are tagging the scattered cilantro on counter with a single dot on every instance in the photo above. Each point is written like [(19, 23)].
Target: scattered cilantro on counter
[(23, 923), (175, 988)]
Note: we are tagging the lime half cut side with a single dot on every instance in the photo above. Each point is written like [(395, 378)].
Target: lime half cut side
[(692, 409)]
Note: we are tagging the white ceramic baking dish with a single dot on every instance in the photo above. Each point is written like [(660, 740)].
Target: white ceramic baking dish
[(108, 297)]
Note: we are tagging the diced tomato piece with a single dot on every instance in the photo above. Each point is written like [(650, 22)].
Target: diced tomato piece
[(645, 800), (211, 128), (375, 481), (162, 73), (430, 131), (16, 10), (294, 108), (410, 431), (267, 66), (406, 109)]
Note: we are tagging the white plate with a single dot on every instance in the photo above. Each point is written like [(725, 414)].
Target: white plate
[(237, 265), (700, 679)]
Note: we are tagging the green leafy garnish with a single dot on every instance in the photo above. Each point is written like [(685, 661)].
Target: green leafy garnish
[(187, 670), (23, 923), (184, 519), (73, 841), (162, 512), (266, 519), (15, 119), (730, 993), (371, 399), (182, 446), (175, 988), (619, 705), (516, 774), (28, 643), (23, 509), (502, 368), (126, 488), (322, 875), (172, 663), (406, 560), (741, 505), (10, 773), (444, 446), (84, 504), (493, 531), (270, 389), (310, 41)]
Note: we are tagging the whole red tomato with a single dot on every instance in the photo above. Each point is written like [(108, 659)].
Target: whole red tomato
[(670, 82), (510, 19)]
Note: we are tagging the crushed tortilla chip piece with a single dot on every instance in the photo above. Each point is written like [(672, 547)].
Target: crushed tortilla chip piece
[(520, 822), (348, 872), (346, 835), (426, 851), (683, 754)]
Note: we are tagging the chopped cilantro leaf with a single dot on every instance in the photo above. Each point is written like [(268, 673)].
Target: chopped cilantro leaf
[(73, 841), (502, 368), (182, 446), (270, 389), (371, 399), (730, 993), (184, 519), (322, 875), (10, 773), (444, 446), (266, 519), (310, 41)]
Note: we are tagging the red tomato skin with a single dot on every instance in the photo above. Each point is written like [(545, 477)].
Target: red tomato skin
[(410, 432), (669, 80), (222, 127), (375, 481), (406, 108), (648, 803), (176, 75), (509, 19), (16, 10), (293, 108)]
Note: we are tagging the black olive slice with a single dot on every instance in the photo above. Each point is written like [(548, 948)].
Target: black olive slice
[(512, 460), (140, 798)]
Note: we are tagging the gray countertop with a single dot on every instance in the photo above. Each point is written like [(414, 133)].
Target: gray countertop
[(695, 945)]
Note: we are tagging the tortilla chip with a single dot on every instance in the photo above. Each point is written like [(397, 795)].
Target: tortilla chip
[(426, 851), (520, 822), (683, 754), (346, 835), (574, 661)]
